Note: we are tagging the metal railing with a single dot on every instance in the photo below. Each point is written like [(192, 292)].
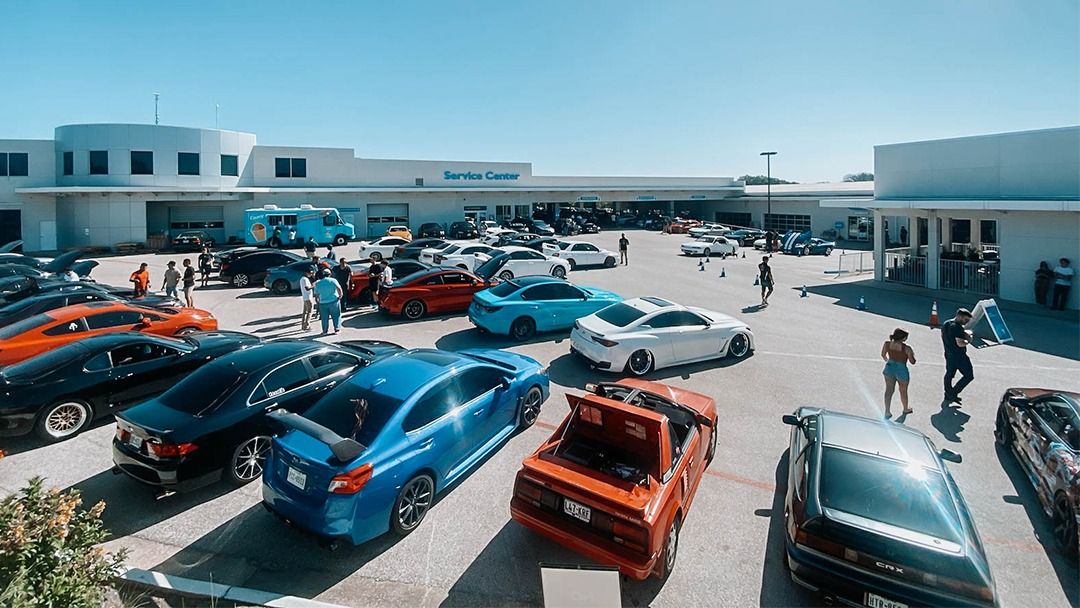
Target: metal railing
[(853, 262), (969, 277), (902, 267)]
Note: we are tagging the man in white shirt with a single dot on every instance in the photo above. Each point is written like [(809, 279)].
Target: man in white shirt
[(306, 296), (1063, 276), (387, 275)]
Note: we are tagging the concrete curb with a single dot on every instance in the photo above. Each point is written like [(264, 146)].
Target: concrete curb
[(215, 591)]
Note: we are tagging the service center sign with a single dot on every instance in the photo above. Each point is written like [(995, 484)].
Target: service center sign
[(479, 177)]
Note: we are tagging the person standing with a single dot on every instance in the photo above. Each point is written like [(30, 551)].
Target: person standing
[(765, 277), (327, 295), (1043, 278), (955, 340), (343, 275), (374, 281), (292, 236), (897, 354), (172, 279), (141, 280), (330, 255), (205, 262), (306, 297), (623, 244), (309, 246), (387, 276), (1062, 284), (189, 283), (275, 239)]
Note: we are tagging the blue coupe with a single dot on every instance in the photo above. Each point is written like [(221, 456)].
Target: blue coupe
[(523, 306), (373, 453)]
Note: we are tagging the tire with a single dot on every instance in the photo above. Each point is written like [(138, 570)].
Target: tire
[(559, 272), (341, 240), (248, 460), (712, 443), (412, 504), (506, 275), (739, 346), (640, 362), (609, 262), (671, 549), (572, 263), (413, 310), (63, 420), (707, 253), (183, 331), (280, 287), (522, 329), (1065, 524), (828, 251), (1003, 432), (240, 280), (463, 266), (375, 255), (530, 407)]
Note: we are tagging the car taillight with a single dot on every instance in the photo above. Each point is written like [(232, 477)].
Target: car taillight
[(632, 536), (528, 491), (225, 265), (122, 434), (487, 308), (439, 258), (351, 482), (171, 450), (825, 546), (603, 342)]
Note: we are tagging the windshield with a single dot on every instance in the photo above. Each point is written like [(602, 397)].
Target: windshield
[(354, 413), (620, 315), (563, 245), (204, 390), (907, 496), (23, 326), (45, 363), (490, 267), (504, 289), (452, 249)]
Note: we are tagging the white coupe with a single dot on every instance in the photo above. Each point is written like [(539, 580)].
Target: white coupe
[(645, 334), (382, 247), (491, 237), (710, 245), (509, 262), (580, 253), (462, 255), (706, 228)]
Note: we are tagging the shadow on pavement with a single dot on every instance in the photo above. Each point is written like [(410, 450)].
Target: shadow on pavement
[(1052, 334), (131, 506), (950, 422), (294, 318), (1064, 568), (474, 338), (570, 370), (777, 588), (25, 443)]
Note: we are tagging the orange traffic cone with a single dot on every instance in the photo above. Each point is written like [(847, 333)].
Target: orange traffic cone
[(933, 316)]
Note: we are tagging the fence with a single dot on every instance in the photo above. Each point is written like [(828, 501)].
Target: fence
[(971, 277), (905, 268), (853, 262)]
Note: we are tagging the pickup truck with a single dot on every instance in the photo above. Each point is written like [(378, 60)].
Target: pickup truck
[(616, 480)]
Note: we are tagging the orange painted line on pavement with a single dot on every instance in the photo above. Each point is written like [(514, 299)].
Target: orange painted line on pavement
[(544, 425), (746, 481)]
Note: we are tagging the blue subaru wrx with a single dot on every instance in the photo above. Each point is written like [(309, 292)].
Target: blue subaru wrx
[(523, 306), (373, 453)]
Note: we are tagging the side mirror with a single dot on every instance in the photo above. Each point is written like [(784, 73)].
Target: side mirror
[(592, 387), (792, 419), (504, 382), (951, 456), (145, 321), (1019, 403)]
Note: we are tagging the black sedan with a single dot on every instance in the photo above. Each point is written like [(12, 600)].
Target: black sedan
[(192, 240), (15, 293), (464, 230), (873, 517), (61, 392), (745, 236), (213, 423), (412, 249), (250, 269), (431, 230)]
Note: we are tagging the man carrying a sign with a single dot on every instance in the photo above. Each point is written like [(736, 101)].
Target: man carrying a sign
[(955, 340)]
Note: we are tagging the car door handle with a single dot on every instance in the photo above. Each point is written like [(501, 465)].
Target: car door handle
[(478, 412), (426, 443)]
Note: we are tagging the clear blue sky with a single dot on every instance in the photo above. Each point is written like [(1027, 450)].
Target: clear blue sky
[(577, 87)]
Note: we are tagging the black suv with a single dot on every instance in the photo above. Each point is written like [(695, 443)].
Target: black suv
[(463, 230), (431, 230)]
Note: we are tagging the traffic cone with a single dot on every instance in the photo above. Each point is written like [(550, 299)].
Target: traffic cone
[(757, 280), (707, 259), (723, 273), (803, 292), (701, 265), (744, 255), (933, 315), (862, 303)]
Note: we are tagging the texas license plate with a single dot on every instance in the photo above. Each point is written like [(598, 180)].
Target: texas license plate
[(296, 478), (578, 510), (876, 601), (135, 441)]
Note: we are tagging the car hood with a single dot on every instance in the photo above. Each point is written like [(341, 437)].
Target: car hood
[(227, 340), (695, 244), (602, 294), (62, 261)]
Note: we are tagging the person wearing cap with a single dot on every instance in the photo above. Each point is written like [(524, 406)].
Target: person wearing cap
[(342, 273), (955, 339), (328, 296), (172, 279), (141, 279), (307, 297)]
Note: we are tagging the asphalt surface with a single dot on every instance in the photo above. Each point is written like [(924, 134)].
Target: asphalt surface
[(818, 350)]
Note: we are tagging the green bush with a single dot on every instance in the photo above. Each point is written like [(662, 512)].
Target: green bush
[(48, 552)]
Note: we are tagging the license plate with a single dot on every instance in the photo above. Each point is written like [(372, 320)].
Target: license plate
[(876, 601), (296, 478), (135, 441), (578, 510)]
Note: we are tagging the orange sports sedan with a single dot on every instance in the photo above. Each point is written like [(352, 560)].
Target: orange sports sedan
[(42, 332), (616, 480)]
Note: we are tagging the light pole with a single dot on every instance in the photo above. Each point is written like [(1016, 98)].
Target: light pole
[(768, 185)]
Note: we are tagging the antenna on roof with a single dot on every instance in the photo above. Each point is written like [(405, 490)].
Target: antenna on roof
[(156, 95), (217, 106)]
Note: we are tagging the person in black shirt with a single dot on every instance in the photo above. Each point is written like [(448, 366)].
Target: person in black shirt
[(623, 244), (374, 281), (766, 279), (309, 246), (954, 339), (343, 274), (205, 261), (189, 283)]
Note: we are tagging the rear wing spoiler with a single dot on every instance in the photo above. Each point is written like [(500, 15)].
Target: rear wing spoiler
[(343, 449)]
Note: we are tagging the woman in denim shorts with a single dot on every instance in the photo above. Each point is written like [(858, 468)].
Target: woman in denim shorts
[(897, 354)]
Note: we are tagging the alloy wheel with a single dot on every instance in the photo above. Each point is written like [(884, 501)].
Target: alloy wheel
[(530, 407), (65, 420), (250, 459), (414, 309), (739, 346), (641, 362), (1064, 523), (240, 280), (415, 502), (523, 329), (558, 272), (671, 547)]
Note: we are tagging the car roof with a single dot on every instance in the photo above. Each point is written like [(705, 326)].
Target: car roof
[(876, 437), (651, 304), (530, 280), (513, 248), (267, 354), (78, 310), (401, 375)]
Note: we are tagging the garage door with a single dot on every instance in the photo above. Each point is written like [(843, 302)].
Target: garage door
[(10, 226), (210, 219), (381, 216)]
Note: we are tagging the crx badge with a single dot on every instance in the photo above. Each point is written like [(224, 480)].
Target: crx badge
[(889, 567)]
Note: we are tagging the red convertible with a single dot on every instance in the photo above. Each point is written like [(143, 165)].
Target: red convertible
[(615, 481), (436, 290)]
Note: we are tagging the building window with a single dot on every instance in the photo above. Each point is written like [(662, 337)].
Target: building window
[(783, 222), (733, 219), (3, 164), (15, 164), (187, 163), (290, 167), (503, 213), (960, 231), (69, 163), (99, 162), (230, 165), (988, 232), (523, 211), (142, 162), (420, 182)]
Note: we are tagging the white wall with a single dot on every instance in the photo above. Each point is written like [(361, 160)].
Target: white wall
[(34, 209), (1028, 238), (100, 221)]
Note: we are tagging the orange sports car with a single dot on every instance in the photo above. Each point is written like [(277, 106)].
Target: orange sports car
[(615, 481), (680, 226), (39, 333)]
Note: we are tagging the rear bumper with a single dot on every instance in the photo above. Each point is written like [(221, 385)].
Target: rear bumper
[(597, 355), (487, 321), (173, 475), (597, 549)]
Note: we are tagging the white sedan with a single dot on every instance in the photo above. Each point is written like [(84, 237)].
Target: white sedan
[(646, 334), (382, 247), (706, 228), (509, 262), (462, 255), (710, 245), (580, 253), (492, 237)]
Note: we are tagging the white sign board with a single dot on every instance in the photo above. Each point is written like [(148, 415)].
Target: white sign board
[(989, 309), (568, 586)]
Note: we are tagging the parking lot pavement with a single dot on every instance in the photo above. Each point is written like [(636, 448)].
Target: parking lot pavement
[(818, 350)]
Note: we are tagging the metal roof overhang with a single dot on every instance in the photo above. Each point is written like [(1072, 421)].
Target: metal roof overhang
[(959, 204), (346, 190)]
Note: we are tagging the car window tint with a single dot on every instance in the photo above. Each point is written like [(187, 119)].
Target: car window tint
[(519, 255), (99, 362), (434, 280), (438, 401), (620, 315), (587, 247), (131, 354), (331, 362), (117, 318), (61, 329), (477, 381), (283, 379), (664, 320), (456, 278)]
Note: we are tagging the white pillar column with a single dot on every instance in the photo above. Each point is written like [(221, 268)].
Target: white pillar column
[(879, 246), (913, 234), (933, 249)]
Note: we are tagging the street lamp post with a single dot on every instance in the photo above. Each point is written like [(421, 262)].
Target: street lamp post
[(768, 184)]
